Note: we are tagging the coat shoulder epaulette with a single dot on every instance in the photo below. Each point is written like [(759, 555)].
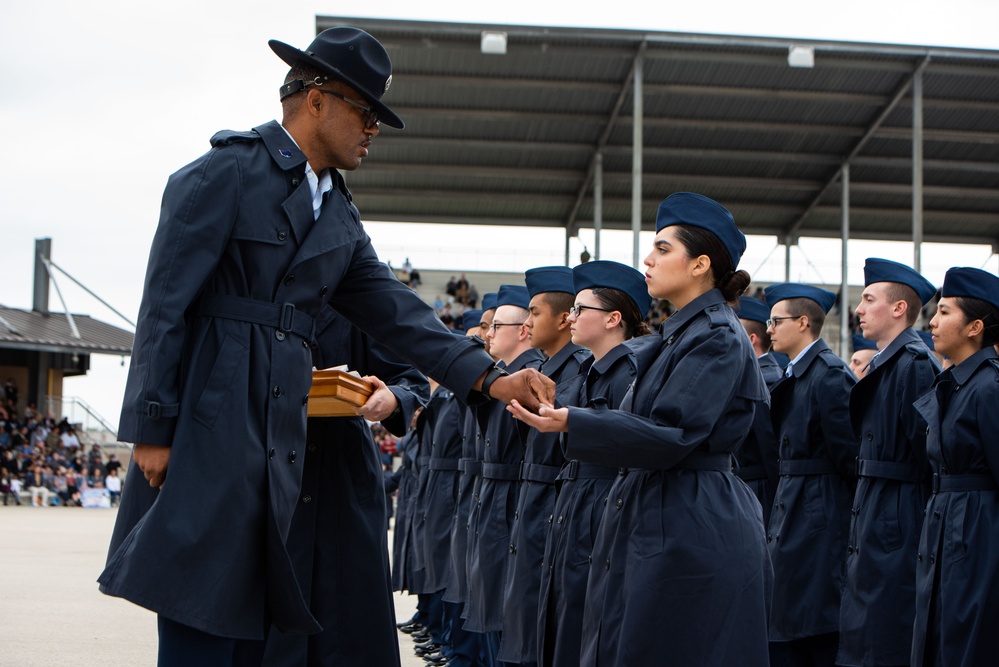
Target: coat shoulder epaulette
[(830, 358), (719, 316), (918, 350), (227, 137)]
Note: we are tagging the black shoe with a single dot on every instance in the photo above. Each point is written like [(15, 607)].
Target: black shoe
[(420, 636), (411, 628), (426, 649), (412, 621), (436, 659)]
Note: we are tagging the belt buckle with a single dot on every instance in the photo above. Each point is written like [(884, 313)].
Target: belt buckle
[(572, 470), (935, 484), (287, 317)]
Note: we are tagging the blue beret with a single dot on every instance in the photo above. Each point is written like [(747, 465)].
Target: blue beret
[(861, 343), (689, 208), (513, 295), (885, 271), (974, 283), (489, 301), (751, 308), (927, 338), (823, 297), (549, 279), (603, 273), (470, 319)]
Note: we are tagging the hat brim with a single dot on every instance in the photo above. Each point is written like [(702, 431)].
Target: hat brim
[(293, 56)]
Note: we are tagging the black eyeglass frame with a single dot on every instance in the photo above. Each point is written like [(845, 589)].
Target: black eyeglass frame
[(371, 117), (578, 309), (496, 325), (774, 321)]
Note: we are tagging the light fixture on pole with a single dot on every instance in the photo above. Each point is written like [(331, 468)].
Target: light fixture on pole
[(494, 43), (801, 56)]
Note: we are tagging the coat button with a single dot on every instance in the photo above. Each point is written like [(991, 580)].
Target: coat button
[(560, 518), (295, 182), (324, 291), (290, 279), (619, 503), (513, 550), (516, 515), (305, 343), (271, 453), (933, 558), (292, 455), (551, 517), (281, 236), (277, 391), (305, 400), (849, 550), (936, 515), (919, 557), (870, 436), (607, 566), (311, 446), (279, 335), (589, 560), (306, 499)]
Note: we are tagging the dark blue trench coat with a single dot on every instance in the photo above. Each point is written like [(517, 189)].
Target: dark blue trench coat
[(679, 567), (806, 535), (893, 485), (220, 372), (957, 565), (757, 457), (573, 523), (543, 460)]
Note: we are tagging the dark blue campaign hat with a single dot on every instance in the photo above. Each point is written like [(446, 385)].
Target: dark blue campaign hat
[(603, 273), (349, 55), (690, 208), (489, 301), (885, 271), (974, 283), (783, 291), (513, 295), (861, 343), (751, 308), (470, 319), (549, 279)]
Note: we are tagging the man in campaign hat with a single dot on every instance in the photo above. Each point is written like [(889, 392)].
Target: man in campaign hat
[(893, 482), (255, 238)]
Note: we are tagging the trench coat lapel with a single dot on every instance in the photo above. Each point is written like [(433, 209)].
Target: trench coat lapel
[(287, 156)]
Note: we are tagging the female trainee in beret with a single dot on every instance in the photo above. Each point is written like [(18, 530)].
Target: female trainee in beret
[(957, 566), (679, 570)]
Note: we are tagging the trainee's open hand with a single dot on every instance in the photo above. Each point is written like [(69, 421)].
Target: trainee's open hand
[(381, 404), (528, 387), (153, 462), (548, 419)]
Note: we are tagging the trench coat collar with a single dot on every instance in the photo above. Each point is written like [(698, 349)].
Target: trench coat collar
[(964, 370), (523, 359), (801, 366), (554, 364), (282, 148), (685, 315), (907, 336), (605, 362)]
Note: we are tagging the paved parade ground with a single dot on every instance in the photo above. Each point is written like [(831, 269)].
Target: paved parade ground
[(51, 613)]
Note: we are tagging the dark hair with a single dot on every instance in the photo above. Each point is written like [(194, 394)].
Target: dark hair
[(699, 242), (898, 292), (559, 302), (760, 329), (631, 320), (291, 104), (976, 309), (803, 306)]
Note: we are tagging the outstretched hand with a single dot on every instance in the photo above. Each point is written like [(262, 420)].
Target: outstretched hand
[(528, 387), (548, 419)]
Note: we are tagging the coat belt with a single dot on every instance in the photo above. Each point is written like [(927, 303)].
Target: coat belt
[(470, 466), (896, 470), (950, 483), (799, 467), (535, 472), (507, 471), (443, 464), (284, 317), (704, 461), (576, 470), (751, 473)]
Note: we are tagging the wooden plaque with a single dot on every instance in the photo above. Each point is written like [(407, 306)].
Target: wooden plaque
[(336, 393)]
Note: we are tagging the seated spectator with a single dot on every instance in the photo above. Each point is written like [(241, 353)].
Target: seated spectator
[(452, 287), (69, 441), (10, 487), (73, 488), (113, 484), (95, 458), (473, 297), (113, 463), (39, 485), (414, 278), (438, 303)]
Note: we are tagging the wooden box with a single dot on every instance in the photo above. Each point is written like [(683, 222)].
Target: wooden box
[(336, 393)]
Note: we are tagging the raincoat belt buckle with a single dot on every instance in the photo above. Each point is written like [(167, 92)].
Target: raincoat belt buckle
[(571, 470), (935, 484), (287, 320)]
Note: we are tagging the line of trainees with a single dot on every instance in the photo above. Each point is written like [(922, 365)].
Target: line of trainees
[(575, 489)]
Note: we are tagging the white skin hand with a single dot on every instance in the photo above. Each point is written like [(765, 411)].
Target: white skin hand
[(548, 420), (381, 404)]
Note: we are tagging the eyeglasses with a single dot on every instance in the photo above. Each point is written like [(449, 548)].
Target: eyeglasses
[(371, 116), (496, 325), (576, 310), (774, 321)]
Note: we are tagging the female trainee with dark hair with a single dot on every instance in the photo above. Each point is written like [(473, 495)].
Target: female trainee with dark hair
[(610, 307), (957, 566), (679, 569)]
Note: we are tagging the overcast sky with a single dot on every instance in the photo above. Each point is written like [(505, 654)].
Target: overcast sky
[(102, 101)]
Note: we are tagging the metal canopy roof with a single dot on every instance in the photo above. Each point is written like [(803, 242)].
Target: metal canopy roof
[(51, 332), (512, 139)]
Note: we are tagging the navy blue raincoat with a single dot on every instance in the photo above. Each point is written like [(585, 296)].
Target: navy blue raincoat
[(543, 460), (573, 523), (680, 571), (807, 532), (957, 565), (221, 368), (893, 486), (337, 539), (491, 516), (757, 457)]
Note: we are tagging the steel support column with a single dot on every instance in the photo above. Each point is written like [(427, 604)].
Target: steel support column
[(917, 170), (636, 158), (598, 202), (844, 288), (787, 259)]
